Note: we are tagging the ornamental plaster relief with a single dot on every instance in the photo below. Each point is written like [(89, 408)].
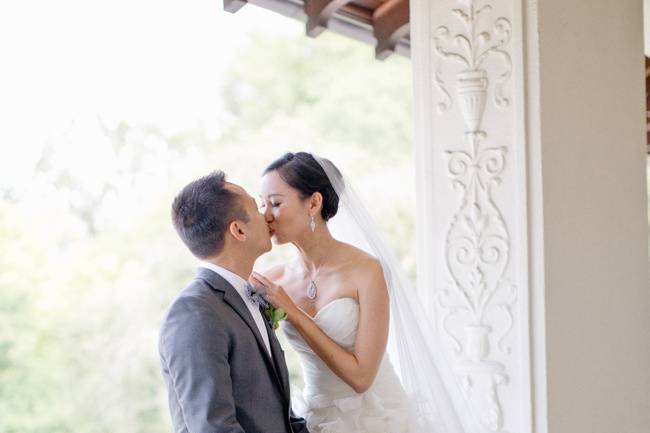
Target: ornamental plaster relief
[(471, 67)]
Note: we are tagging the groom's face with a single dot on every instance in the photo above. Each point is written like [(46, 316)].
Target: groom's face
[(257, 232)]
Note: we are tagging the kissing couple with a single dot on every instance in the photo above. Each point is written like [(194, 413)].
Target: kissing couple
[(223, 366)]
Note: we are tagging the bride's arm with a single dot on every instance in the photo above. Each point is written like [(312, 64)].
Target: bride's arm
[(358, 368)]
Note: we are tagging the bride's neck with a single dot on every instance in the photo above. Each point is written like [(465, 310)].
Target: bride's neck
[(315, 248)]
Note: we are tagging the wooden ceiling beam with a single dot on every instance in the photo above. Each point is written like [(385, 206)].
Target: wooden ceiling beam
[(390, 24), (233, 6), (319, 13)]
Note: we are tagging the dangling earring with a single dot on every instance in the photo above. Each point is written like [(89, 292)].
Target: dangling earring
[(312, 224)]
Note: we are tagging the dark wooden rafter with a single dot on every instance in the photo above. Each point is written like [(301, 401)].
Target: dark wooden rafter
[(356, 13), (319, 13), (390, 24)]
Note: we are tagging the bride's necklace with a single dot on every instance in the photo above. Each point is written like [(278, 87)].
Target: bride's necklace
[(312, 290)]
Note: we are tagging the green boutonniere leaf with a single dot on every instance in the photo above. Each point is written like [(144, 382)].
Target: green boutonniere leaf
[(275, 315)]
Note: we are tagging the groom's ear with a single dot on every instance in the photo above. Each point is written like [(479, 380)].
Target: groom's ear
[(236, 230)]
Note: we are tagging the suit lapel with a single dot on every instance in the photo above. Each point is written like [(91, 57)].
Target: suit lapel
[(278, 357), (235, 301)]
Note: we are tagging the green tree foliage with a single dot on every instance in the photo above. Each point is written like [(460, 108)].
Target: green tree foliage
[(89, 260)]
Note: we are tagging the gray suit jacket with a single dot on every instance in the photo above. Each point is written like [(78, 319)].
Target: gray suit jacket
[(219, 375)]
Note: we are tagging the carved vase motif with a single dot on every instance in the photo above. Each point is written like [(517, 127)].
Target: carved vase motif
[(480, 297)]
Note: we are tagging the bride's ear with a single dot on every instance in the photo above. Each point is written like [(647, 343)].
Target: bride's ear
[(236, 230), (316, 203)]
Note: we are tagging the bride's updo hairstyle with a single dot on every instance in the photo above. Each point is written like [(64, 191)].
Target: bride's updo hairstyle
[(303, 173)]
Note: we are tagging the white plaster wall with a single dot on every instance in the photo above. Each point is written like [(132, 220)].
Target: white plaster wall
[(646, 25), (570, 352), (597, 287)]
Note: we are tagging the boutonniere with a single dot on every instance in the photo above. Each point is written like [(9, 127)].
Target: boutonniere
[(272, 315)]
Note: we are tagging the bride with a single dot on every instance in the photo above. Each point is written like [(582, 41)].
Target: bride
[(341, 302)]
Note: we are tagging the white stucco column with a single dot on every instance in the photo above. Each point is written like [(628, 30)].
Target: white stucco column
[(646, 26), (532, 208)]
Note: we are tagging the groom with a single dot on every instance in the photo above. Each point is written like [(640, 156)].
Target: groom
[(223, 366)]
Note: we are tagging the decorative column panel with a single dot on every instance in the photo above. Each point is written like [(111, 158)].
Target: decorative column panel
[(471, 237), (532, 209)]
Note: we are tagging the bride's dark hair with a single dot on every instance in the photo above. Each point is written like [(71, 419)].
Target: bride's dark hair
[(303, 173)]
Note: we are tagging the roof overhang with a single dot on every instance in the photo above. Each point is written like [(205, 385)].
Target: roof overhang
[(381, 23), (385, 26)]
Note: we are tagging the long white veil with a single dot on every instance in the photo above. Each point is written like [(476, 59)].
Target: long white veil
[(434, 393)]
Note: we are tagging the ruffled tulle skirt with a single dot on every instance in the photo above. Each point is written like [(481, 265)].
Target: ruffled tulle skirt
[(357, 413)]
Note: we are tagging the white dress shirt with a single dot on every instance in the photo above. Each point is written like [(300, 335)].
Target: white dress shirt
[(240, 285)]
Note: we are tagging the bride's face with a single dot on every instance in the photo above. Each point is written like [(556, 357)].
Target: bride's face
[(286, 212)]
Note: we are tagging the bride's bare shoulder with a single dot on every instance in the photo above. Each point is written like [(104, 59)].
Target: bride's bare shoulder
[(361, 263)]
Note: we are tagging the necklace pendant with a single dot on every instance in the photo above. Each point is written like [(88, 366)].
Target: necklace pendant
[(311, 290)]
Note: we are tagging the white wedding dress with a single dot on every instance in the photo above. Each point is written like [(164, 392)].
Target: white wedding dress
[(327, 403), (419, 395)]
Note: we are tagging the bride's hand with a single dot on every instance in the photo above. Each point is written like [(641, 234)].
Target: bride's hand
[(276, 295)]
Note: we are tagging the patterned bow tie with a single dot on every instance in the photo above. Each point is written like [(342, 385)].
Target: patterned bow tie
[(272, 315), (257, 296)]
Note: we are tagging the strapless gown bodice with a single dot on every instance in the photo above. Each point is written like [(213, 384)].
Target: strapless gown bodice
[(329, 404)]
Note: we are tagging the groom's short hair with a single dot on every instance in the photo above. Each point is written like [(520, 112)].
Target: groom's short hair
[(202, 212)]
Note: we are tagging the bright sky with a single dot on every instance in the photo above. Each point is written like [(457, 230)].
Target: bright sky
[(67, 62)]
